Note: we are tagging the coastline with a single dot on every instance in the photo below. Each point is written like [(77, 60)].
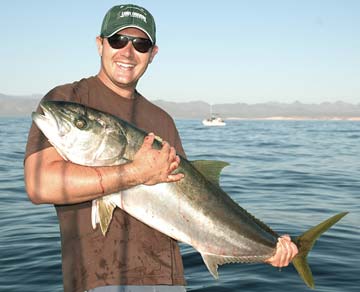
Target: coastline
[(280, 118)]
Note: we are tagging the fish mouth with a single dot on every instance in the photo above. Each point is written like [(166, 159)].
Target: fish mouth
[(49, 120)]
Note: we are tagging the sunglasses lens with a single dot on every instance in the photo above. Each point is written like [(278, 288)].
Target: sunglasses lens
[(118, 41), (142, 45)]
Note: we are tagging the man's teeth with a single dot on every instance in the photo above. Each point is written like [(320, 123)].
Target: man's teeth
[(125, 65)]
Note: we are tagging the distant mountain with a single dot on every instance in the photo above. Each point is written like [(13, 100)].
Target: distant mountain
[(11, 105), (188, 110), (269, 110), (297, 109), (24, 105)]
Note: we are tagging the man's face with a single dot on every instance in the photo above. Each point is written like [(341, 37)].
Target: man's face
[(124, 67)]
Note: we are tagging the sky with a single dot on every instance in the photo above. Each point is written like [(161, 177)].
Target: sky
[(249, 51)]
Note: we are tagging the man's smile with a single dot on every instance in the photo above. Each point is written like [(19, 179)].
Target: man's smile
[(125, 65)]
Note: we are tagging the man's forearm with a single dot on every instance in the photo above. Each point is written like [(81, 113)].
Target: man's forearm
[(63, 182), (76, 183)]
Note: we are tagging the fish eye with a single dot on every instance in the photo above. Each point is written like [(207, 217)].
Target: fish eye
[(80, 123)]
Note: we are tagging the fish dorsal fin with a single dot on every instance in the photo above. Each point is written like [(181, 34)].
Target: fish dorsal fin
[(211, 169)]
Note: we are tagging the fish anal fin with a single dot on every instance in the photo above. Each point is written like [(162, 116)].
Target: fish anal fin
[(211, 263), (211, 169), (106, 210)]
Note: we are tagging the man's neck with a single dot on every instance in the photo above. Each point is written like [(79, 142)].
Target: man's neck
[(126, 92)]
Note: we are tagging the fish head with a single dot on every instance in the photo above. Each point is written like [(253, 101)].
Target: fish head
[(81, 134)]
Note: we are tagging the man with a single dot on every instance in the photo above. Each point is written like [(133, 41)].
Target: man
[(131, 255)]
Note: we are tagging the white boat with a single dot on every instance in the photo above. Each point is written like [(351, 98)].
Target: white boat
[(214, 121)]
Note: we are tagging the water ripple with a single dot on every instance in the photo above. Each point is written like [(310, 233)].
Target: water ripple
[(290, 174)]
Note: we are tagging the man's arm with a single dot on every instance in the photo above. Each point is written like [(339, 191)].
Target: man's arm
[(50, 179)]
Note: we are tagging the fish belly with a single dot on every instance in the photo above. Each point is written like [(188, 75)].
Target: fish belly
[(169, 211)]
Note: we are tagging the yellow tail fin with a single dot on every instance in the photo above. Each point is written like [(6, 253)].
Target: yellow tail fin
[(305, 242)]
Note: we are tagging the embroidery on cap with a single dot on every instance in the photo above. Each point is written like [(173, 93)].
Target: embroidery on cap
[(132, 14)]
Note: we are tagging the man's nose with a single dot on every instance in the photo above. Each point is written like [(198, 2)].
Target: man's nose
[(128, 50)]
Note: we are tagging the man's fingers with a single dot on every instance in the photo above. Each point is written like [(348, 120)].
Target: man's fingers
[(172, 158), (175, 177), (177, 159), (286, 250), (294, 250), (289, 250), (149, 140), (172, 154), (174, 165), (291, 247), (286, 237), (165, 148), (284, 257), (164, 161)]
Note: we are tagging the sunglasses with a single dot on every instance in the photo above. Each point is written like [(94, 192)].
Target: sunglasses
[(118, 41)]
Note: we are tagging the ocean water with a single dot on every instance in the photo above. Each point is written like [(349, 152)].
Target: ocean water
[(290, 174)]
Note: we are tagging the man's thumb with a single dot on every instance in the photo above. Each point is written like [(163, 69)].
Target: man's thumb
[(149, 140)]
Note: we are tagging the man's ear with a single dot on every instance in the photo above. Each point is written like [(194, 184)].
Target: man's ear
[(154, 51), (99, 45)]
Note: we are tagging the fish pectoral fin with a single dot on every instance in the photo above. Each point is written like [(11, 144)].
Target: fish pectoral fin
[(105, 212), (211, 169), (211, 263)]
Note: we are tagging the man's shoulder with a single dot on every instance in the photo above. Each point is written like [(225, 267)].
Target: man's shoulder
[(154, 108), (70, 91)]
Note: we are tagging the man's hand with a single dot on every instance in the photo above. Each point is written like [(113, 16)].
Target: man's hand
[(156, 166), (286, 250)]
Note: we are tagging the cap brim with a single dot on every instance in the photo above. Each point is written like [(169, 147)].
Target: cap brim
[(129, 26)]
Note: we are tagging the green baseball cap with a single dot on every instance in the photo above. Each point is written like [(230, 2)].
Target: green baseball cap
[(123, 16)]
